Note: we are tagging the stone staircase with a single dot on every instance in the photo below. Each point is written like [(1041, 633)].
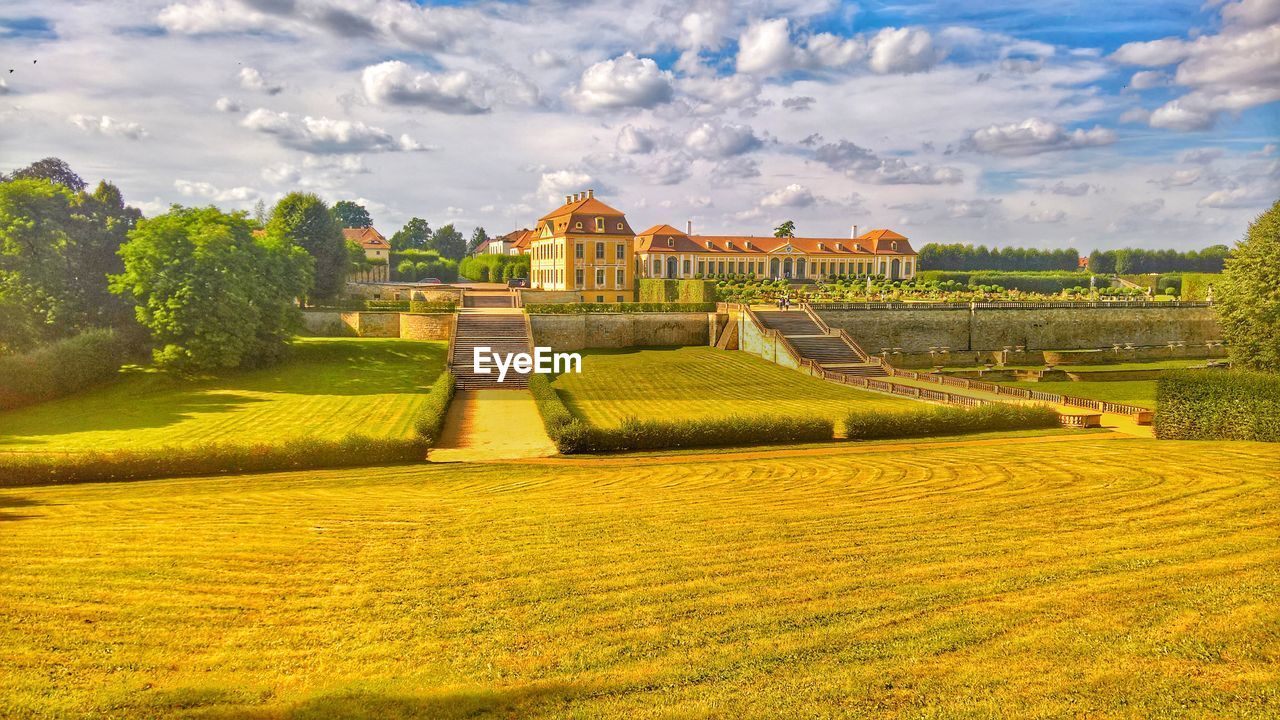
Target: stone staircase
[(502, 333), (829, 351), (495, 300)]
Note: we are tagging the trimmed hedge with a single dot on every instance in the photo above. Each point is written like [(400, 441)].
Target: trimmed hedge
[(1217, 405), (1049, 283), (594, 308), (392, 305), (653, 290), (1195, 286), (941, 420), (63, 368), (432, 306), (18, 469), (430, 418), (574, 435)]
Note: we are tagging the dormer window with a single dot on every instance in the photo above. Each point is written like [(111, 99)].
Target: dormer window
[(893, 245), (577, 226), (728, 245), (671, 242), (599, 224), (710, 246), (822, 246), (857, 247), (619, 226), (840, 247)]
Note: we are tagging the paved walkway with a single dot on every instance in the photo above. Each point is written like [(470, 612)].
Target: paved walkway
[(487, 425)]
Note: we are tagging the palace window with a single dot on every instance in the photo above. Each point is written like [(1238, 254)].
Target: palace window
[(619, 226), (907, 267), (657, 267), (620, 251), (578, 278), (687, 265), (577, 226), (599, 224), (577, 250), (721, 266), (621, 276), (599, 277), (702, 267), (599, 251)]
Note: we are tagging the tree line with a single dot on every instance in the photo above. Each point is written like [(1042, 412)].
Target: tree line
[(1136, 261), (958, 256)]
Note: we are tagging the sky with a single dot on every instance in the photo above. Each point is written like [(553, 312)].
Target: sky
[(1079, 123)]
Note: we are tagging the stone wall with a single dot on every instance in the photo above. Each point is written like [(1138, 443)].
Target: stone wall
[(373, 324), (916, 330), (619, 330), (534, 297), (325, 324), (404, 291), (751, 339), (426, 326)]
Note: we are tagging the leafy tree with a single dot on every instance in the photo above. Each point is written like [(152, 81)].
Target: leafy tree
[(1248, 301), (449, 243), (304, 220), (54, 170), (478, 237), (212, 295), (348, 214), (34, 216), (415, 235), (785, 230), (406, 270), (1102, 262)]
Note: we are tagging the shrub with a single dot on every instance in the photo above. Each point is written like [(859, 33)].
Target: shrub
[(213, 459), (653, 290), (65, 367), (430, 418), (568, 432), (590, 308), (941, 420), (392, 305), (1216, 405), (432, 306)]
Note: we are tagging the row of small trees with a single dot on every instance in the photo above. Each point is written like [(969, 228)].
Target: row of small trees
[(1135, 261), (957, 256)]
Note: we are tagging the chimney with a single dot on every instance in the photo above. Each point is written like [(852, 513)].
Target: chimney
[(688, 227), (853, 233), (591, 193), (568, 199)]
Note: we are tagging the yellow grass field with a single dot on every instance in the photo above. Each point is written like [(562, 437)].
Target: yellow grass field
[(702, 382), (331, 387), (1092, 576)]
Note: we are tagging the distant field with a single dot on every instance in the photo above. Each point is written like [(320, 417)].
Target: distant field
[(1132, 392), (330, 387), (699, 382), (1012, 578)]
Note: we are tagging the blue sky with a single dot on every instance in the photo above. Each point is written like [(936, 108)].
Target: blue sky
[(1090, 124)]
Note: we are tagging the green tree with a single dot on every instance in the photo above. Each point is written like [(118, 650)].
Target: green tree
[(449, 243), (54, 170), (785, 230), (348, 214), (478, 237), (1102, 262), (1248, 300), (415, 235), (211, 294), (304, 220), (34, 216)]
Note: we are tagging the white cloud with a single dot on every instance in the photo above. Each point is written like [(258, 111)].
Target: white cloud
[(715, 141), (623, 82), (252, 79), (903, 50), (553, 186), (860, 163), (1074, 190), (1146, 79), (1181, 115), (1201, 156), (1239, 197), (395, 83), (977, 208), (636, 141), (323, 135), (227, 105), (1154, 53), (1033, 136), (207, 191), (765, 47), (1045, 216), (546, 60), (794, 195), (107, 125)]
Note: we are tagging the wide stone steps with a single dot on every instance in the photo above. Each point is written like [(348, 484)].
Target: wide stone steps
[(789, 322), (503, 334), (488, 301), (807, 338)]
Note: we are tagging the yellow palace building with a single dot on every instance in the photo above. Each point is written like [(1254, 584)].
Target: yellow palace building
[(586, 246)]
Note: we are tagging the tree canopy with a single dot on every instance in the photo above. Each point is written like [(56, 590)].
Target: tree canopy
[(415, 235), (211, 293), (1248, 300), (53, 169), (478, 238), (304, 220), (449, 242), (348, 214), (785, 230)]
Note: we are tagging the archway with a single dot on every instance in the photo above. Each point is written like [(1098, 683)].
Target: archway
[(800, 268), (786, 268), (774, 267), (895, 269), (671, 267)]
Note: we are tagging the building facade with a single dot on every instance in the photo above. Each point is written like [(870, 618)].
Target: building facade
[(584, 246), (663, 251), (376, 250), (510, 244)]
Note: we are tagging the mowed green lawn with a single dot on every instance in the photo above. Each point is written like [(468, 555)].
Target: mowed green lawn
[(329, 388), (1091, 577), (702, 382)]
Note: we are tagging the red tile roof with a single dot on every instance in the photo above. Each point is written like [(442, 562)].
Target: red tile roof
[(664, 238), (583, 211), (368, 238)]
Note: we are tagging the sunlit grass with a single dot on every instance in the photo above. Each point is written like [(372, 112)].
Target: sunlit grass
[(1132, 392), (1012, 578), (702, 382), (330, 388)]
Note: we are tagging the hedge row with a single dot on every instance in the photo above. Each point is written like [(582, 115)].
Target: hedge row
[(940, 420), (1217, 405), (653, 290), (63, 368), (430, 418), (1041, 282), (213, 459), (595, 308), (432, 306)]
